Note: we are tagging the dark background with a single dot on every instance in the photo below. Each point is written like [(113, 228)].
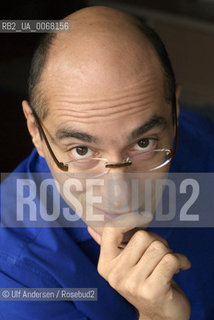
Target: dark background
[(16, 52), (15, 58)]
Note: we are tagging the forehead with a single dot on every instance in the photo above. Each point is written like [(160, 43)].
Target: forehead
[(88, 103), (108, 120), (106, 110), (96, 84)]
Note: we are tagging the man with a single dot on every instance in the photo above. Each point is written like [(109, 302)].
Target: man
[(106, 90)]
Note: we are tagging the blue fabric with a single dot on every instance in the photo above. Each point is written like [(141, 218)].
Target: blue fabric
[(67, 257)]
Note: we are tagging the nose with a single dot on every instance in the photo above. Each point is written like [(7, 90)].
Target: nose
[(118, 191), (117, 166)]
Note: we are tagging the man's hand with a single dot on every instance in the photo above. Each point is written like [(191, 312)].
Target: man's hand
[(142, 272)]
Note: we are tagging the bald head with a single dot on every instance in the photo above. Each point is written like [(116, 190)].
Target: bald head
[(103, 47)]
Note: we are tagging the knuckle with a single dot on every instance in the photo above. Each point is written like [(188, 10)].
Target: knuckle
[(130, 286), (114, 279), (170, 260), (158, 246), (149, 292), (140, 236), (157, 237)]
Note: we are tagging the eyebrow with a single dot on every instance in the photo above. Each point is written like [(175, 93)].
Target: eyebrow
[(69, 133), (155, 121)]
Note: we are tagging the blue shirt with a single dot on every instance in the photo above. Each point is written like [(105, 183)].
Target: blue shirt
[(67, 257)]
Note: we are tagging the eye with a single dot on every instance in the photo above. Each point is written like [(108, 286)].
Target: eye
[(80, 152), (146, 144)]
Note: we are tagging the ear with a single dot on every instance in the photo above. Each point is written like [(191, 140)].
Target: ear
[(178, 92), (32, 128)]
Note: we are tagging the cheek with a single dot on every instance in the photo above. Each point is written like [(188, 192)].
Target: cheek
[(72, 189)]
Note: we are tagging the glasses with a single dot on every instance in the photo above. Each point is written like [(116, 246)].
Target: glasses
[(141, 162)]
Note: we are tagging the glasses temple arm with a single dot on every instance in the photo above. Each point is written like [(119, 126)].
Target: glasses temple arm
[(60, 165), (173, 150)]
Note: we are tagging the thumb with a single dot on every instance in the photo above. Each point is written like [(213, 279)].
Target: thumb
[(94, 235)]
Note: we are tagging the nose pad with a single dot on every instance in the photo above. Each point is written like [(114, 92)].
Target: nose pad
[(126, 163), (118, 167)]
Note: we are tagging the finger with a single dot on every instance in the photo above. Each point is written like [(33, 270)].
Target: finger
[(138, 246), (128, 235), (150, 259), (169, 265), (113, 232), (94, 235)]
